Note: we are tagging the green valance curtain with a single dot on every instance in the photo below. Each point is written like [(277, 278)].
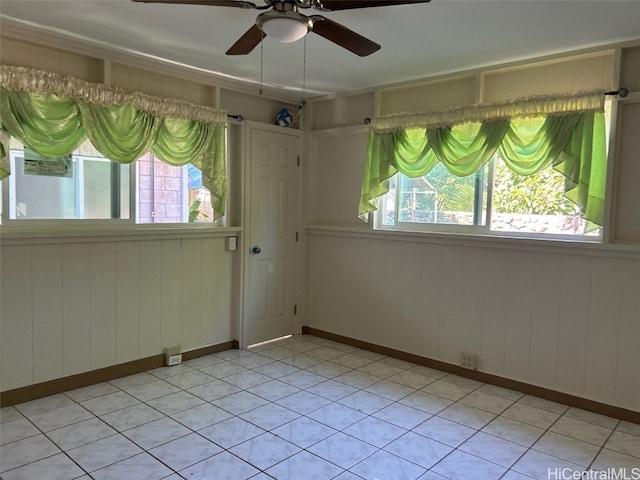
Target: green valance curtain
[(564, 131), (52, 115)]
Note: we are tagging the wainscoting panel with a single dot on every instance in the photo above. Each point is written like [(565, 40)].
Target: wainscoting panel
[(70, 307), (558, 317)]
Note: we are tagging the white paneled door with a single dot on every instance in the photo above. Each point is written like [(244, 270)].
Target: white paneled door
[(272, 246)]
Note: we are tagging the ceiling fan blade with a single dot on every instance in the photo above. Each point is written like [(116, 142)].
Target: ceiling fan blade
[(331, 5), (342, 36), (212, 3), (247, 42)]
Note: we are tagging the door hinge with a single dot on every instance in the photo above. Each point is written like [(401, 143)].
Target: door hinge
[(298, 161), (295, 309)]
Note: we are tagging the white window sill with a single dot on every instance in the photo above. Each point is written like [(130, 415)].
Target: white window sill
[(71, 232)]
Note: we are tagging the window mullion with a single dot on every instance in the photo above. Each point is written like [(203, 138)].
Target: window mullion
[(490, 181)]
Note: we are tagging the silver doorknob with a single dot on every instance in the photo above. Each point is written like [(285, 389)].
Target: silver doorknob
[(256, 250)]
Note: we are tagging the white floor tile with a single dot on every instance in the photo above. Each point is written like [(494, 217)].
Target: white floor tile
[(60, 417), (229, 433), (365, 402), (462, 466), (56, 467), (214, 390), (44, 404), (131, 417), (175, 402), (189, 379), (591, 417), (391, 390), (109, 403), (445, 431), (402, 415), (303, 402), (493, 449), (303, 379), (149, 391), (375, 431), (342, 450), (609, 459), (247, 379), (273, 390), (104, 452), (91, 391), (9, 414), (514, 431), (314, 468), (531, 415), (336, 416), (426, 402), (202, 416), (22, 452), (624, 443), (538, 465), (388, 466), (423, 451), (156, 433), (580, 430), (223, 466), (185, 451), (567, 448), (240, 402), (18, 429), (304, 432), (447, 390), (276, 369), (81, 433), (139, 467), (469, 416), (487, 402), (269, 416), (332, 390), (264, 451)]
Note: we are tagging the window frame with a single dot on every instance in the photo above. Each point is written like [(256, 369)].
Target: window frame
[(477, 229), (131, 224)]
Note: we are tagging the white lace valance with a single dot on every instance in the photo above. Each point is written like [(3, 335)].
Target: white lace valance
[(548, 105), (38, 81)]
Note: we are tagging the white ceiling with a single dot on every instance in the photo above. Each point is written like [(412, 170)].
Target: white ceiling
[(417, 40)]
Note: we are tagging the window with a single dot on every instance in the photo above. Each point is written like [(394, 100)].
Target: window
[(532, 167), (53, 114), (494, 200), (170, 194), (86, 186)]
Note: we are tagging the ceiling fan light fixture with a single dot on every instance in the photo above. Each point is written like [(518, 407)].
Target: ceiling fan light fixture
[(284, 30), (284, 27)]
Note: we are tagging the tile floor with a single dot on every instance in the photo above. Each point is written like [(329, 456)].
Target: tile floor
[(306, 408)]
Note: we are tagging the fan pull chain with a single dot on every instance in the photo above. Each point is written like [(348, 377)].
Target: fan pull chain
[(303, 102), (261, 59), (304, 71)]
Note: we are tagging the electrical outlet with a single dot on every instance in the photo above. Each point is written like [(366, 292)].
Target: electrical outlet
[(469, 360), (174, 359), (172, 355)]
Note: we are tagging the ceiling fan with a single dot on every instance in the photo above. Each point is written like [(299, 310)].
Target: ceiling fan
[(284, 22)]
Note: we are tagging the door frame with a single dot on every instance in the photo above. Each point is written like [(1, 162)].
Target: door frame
[(248, 127)]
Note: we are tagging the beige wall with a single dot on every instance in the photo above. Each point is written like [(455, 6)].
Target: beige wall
[(71, 305), (75, 302), (552, 314)]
